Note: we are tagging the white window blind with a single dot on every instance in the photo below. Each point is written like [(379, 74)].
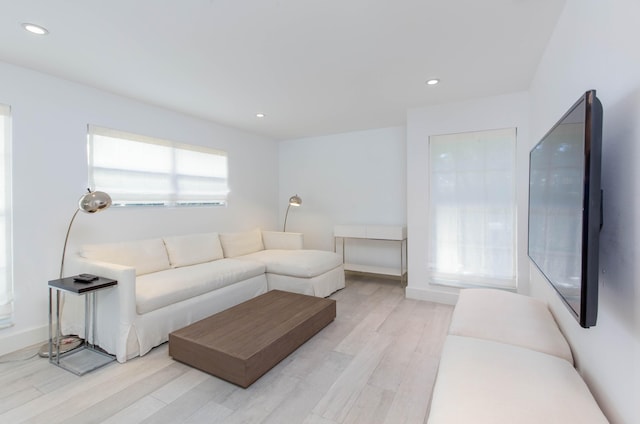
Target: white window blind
[(6, 275), (472, 209), (140, 170)]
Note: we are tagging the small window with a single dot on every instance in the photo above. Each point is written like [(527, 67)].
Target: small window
[(137, 170)]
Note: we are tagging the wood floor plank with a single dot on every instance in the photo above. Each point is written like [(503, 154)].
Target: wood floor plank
[(315, 419), (263, 402), (344, 392), (211, 412), (397, 360), (85, 391), (410, 404), (137, 411), (19, 397), (314, 383), (179, 386), (110, 406), (319, 369), (371, 407), (182, 408)]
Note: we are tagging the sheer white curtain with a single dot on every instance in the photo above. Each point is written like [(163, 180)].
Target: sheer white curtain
[(140, 170), (6, 280), (472, 209)]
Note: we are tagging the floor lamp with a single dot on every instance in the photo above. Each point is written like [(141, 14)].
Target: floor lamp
[(294, 200), (90, 202)]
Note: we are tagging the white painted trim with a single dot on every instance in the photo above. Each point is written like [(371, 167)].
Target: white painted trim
[(23, 339), (431, 295)]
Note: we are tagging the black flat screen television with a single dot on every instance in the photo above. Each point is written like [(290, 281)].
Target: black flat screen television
[(565, 206)]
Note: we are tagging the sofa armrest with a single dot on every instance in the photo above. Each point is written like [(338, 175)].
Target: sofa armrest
[(116, 306), (280, 240)]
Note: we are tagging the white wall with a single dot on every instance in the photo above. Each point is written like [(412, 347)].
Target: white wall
[(49, 121), (507, 111), (350, 178), (595, 45)]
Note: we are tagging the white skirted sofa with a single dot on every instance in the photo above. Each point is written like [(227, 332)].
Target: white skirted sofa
[(168, 283), (506, 361)]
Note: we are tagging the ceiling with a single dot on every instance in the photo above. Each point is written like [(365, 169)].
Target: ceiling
[(314, 67)]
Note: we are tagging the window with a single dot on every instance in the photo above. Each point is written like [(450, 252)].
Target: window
[(472, 212), (6, 276), (139, 170)]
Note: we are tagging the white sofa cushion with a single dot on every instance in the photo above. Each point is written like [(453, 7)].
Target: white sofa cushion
[(193, 249), (296, 263), (485, 382), (145, 256), (508, 318), (281, 240), (157, 290), (237, 244)]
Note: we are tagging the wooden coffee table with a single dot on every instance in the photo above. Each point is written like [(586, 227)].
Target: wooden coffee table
[(242, 343)]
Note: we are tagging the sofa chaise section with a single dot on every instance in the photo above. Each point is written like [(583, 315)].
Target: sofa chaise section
[(289, 267)]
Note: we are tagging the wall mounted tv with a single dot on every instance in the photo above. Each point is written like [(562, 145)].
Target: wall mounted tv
[(565, 206)]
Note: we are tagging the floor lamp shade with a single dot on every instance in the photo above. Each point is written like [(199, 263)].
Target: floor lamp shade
[(90, 202), (294, 200), (94, 201)]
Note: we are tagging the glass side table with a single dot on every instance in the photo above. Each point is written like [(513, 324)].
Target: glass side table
[(86, 357)]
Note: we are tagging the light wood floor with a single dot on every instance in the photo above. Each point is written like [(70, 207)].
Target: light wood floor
[(376, 363)]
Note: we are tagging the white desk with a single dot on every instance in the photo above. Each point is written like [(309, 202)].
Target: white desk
[(374, 232)]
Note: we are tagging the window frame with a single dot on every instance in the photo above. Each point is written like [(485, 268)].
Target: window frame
[(465, 277), (172, 177), (6, 282)]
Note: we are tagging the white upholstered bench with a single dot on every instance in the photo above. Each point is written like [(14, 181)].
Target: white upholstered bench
[(506, 361)]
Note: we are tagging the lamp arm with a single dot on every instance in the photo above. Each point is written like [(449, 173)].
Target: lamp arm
[(284, 229), (66, 239)]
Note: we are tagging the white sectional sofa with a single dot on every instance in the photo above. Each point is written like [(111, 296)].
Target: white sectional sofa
[(167, 283), (506, 361)]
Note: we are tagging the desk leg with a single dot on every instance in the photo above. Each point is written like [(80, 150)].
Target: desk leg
[(335, 246), (404, 263)]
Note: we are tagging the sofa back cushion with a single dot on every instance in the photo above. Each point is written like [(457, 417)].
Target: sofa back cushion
[(193, 249), (509, 318), (238, 244), (145, 256), (281, 240)]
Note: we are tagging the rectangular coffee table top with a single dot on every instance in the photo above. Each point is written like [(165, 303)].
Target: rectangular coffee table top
[(242, 342)]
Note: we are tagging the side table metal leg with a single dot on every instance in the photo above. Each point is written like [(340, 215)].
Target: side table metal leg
[(93, 320), (57, 324), (86, 319), (50, 322)]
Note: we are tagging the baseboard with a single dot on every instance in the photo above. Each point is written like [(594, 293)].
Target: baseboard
[(23, 339), (430, 295)]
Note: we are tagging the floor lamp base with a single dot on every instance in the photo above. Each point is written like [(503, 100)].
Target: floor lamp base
[(68, 343)]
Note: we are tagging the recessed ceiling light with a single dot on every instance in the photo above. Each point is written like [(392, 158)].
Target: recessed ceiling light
[(35, 29), (433, 81), (260, 115)]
